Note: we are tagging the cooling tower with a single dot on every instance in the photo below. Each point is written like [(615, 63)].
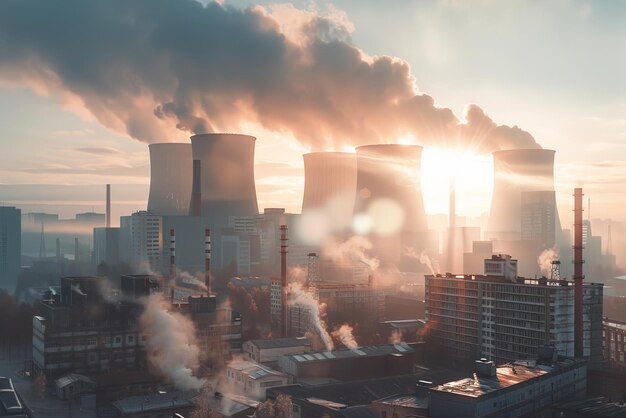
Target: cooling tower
[(517, 171), (227, 176), (170, 178), (392, 173), (330, 184)]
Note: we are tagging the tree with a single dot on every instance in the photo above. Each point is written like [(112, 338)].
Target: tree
[(280, 408), (202, 409)]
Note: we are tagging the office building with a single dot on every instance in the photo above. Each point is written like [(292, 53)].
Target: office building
[(267, 352), (10, 247), (539, 217)]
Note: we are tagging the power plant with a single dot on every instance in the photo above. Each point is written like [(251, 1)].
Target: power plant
[(391, 173), (227, 175), (170, 178), (330, 184), (515, 172)]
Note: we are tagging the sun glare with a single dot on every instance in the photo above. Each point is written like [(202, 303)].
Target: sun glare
[(473, 175)]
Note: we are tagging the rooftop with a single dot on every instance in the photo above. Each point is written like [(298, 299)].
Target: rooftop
[(594, 407), (507, 375), (615, 324), (281, 342), (500, 279), (155, 402), (254, 370), (10, 403), (71, 378), (372, 350), (408, 400)]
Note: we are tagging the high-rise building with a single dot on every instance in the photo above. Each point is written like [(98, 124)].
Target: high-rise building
[(539, 217), (10, 247), (106, 246), (503, 317), (142, 236)]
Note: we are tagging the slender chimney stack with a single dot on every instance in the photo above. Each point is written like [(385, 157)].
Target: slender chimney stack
[(58, 248), (172, 264), (578, 272), (207, 260), (196, 189), (108, 210), (452, 207), (283, 280), (76, 249)]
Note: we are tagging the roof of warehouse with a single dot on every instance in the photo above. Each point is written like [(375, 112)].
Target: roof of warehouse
[(281, 342), (371, 350)]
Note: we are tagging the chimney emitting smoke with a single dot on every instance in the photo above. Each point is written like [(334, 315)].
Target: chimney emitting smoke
[(207, 260)]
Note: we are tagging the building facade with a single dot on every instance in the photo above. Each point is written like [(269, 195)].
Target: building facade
[(615, 343), (502, 317), (10, 247)]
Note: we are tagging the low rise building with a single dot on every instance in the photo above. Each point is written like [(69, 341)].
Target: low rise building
[(11, 403), (156, 405), (515, 389), (252, 379), (267, 352), (615, 343)]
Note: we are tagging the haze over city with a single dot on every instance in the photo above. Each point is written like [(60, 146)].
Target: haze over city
[(312, 208)]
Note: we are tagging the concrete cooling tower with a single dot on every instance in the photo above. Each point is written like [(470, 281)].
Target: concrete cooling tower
[(227, 176), (330, 184), (391, 174), (517, 172), (170, 178)]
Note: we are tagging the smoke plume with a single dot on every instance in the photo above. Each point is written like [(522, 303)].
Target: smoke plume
[(171, 343), (344, 334), (76, 289), (153, 68), (305, 300), (422, 257), (351, 251), (545, 259)]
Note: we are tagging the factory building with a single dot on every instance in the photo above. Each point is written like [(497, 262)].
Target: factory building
[(362, 363), (615, 343), (252, 379), (267, 352), (503, 317), (513, 390), (89, 330), (10, 247)]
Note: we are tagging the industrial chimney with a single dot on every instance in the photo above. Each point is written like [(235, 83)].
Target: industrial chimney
[(517, 171), (578, 272), (330, 183), (172, 279), (108, 207), (283, 280), (227, 175), (393, 172), (170, 178)]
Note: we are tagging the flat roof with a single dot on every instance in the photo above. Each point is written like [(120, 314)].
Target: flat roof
[(10, 403), (518, 280), (507, 375), (405, 400), (615, 324), (155, 402), (281, 342), (371, 351), (254, 370)]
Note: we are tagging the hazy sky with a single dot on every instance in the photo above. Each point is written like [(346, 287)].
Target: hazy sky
[(556, 69)]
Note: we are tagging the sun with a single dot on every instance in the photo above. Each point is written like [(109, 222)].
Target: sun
[(473, 178)]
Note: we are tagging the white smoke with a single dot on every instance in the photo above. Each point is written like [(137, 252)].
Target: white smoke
[(189, 278), (171, 343), (76, 289), (545, 259), (305, 300), (422, 257), (344, 334), (396, 336), (353, 250), (52, 291)]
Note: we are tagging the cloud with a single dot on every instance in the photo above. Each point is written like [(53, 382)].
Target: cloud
[(98, 150), (159, 69)]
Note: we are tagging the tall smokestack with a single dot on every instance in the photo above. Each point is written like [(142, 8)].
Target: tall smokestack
[(58, 248), (452, 207), (517, 171), (392, 172), (207, 260), (283, 280), (108, 207), (76, 249), (196, 189), (172, 264), (170, 178), (578, 272), (330, 183)]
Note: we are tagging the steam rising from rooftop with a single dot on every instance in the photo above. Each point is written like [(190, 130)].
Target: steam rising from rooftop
[(155, 68)]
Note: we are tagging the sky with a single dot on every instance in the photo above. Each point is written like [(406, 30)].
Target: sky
[(556, 69)]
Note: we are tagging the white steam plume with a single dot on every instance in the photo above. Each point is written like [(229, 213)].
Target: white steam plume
[(545, 259), (76, 289), (189, 278), (171, 343), (305, 300), (422, 257), (353, 250), (344, 334)]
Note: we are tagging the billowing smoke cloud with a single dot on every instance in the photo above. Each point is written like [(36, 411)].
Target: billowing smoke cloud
[(171, 343), (344, 334), (76, 289), (545, 259), (189, 278), (305, 300), (150, 68), (351, 251)]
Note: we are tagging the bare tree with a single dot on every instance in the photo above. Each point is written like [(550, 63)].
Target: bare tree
[(280, 408)]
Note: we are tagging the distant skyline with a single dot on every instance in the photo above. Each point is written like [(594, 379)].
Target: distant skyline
[(555, 69)]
